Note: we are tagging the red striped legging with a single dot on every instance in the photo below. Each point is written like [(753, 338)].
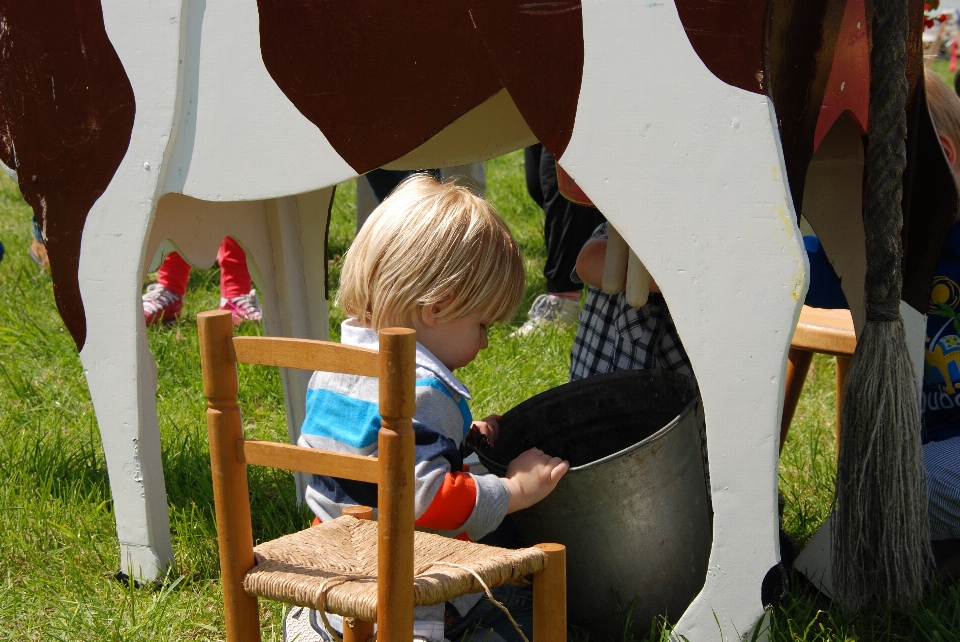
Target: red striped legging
[(234, 275)]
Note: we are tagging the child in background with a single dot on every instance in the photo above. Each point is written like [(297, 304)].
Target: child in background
[(163, 300), (437, 259), (566, 227)]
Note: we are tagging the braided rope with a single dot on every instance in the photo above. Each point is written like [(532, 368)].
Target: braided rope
[(886, 156), (880, 530)]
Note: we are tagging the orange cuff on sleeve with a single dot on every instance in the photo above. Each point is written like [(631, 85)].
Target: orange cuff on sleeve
[(452, 505)]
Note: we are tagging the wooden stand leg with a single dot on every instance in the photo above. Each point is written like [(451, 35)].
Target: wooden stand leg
[(550, 596), (843, 366), (798, 364)]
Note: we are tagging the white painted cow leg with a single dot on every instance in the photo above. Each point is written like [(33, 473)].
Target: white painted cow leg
[(295, 298), (738, 349), (122, 377), (734, 289), (690, 172), (734, 292), (298, 228), (120, 370), (123, 380)]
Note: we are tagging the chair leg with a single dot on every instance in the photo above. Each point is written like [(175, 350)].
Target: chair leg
[(357, 630), (798, 364), (230, 493), (843, 366), (550, 596)]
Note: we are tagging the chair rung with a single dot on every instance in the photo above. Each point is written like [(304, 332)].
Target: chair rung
[(308, 460), (307, 354)]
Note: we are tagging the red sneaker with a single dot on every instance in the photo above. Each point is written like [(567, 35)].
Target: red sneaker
[(160, 305), (245, 307)]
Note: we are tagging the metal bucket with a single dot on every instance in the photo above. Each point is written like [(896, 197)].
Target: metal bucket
[(633, 511)]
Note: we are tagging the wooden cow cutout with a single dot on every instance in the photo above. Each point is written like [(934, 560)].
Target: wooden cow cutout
[(136, 127)]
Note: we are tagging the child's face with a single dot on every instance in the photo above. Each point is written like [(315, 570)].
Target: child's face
[(455, 343)]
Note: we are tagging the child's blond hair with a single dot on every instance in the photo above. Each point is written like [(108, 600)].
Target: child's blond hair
[(944, 107), (426, 242)]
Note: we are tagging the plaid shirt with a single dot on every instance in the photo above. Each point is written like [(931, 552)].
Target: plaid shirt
[(614, 336)]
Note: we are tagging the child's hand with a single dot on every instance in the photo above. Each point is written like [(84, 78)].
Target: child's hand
[(531, 477), (489, 428)]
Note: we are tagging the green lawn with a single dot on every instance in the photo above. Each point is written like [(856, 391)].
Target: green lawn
[(942, 68), (57, 536)]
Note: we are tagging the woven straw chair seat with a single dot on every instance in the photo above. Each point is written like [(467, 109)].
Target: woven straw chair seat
[(333, 567)]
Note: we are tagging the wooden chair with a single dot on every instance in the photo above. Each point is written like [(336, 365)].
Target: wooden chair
[(360, 569), (824, 331)]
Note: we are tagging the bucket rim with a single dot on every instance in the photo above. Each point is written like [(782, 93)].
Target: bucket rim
[(652, 438), (500, 470)]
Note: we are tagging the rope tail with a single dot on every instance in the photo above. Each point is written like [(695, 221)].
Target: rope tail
[(880, 529)]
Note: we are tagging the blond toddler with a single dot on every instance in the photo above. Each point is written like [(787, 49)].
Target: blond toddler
[(438, 259)]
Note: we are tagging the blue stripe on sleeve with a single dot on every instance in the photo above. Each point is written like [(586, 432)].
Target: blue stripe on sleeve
[(462, 404), (350, 421)]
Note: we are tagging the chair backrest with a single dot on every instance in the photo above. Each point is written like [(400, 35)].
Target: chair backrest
[(395, 366)]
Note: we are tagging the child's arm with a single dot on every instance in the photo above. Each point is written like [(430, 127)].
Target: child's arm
[(531, 477), (342, 415), (446, 498), (590, 264)]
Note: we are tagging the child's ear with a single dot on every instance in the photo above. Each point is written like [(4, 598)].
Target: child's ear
[(429, 313), (949, 150)]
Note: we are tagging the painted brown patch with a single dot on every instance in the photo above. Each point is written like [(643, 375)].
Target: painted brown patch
[(537, 48), (66, 114), (378, 78), (796, 41), (801, 38), (728, 37), (381, 78), (782, 48), (801, 41)]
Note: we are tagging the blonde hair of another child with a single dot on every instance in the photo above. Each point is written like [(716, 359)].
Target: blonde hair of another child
[(426, 242), (944, 107)]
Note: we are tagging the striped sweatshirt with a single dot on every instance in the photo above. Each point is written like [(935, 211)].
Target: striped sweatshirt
[(342, 416)]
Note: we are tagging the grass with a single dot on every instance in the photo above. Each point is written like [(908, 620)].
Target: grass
[(58, 548), (942, 67)]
